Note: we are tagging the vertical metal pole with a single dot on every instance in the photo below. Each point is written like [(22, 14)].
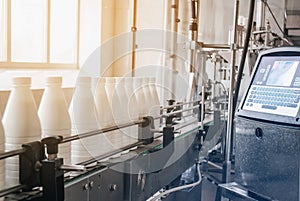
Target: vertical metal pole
[(194, 38), (227, 165), (261, 15), (173, 39), (194, 34), (134, 30), (213, 94)]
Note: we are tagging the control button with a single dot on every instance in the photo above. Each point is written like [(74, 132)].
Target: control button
[(270, 107), (296, 91), (250, 100), (254, 88), (292, 105)]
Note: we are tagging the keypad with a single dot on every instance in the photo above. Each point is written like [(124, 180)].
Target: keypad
[(271, 98)]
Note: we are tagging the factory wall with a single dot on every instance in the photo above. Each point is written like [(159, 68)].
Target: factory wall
[(107, 24)]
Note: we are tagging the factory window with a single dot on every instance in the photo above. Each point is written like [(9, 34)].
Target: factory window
[(39, 33), (2, 31)]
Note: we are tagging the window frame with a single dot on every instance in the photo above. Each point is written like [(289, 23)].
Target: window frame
[(8, 64)]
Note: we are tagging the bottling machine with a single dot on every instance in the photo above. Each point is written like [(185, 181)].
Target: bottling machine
[(261, 157), (267, 155)]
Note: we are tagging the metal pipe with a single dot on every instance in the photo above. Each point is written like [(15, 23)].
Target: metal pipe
[(175, 112), (179, 111), (261, 15), (215, 46), (203, 83), (116, 127), (11, 153), (244, 55), (134, 30), (14, 189), (106, 155), (202, 107), (179, 104), (173, 40), (100, 131), (227, 164)]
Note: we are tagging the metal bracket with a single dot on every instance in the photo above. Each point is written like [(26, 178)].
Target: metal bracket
[(30, 164), (145, 130), (168, 136), (52, 176)]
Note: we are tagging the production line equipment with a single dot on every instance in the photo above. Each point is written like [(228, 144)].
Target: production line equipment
[(162, 156), (267, 154)]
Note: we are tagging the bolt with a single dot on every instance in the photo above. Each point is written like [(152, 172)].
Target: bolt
[(86, 187), (113, 187), (91, 184)]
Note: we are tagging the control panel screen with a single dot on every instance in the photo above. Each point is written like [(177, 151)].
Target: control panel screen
[(275, 88)]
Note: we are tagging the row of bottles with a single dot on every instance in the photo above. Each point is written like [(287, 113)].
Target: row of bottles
[(114, 101)]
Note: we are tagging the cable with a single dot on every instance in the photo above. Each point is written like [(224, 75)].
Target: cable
[(244, 55), (179, 187)]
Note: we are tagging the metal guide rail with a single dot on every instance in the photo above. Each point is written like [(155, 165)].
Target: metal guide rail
[(44, 175)]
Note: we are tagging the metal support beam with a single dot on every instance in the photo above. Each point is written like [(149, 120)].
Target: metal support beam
[(227, 163)]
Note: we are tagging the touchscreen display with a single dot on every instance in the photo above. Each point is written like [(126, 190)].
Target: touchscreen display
[(275, 88)]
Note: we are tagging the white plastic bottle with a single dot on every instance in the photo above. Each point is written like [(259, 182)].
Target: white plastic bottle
[(83, 115), (123, 109), (153, 90), (132, 109), (105, 116), (140, 96), (155, 109), (115, 137), (147, 93), (21, 124), (54, 115)]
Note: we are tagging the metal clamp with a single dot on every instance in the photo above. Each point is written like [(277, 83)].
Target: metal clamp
[(30, 164), (52, 176), (145, 130)]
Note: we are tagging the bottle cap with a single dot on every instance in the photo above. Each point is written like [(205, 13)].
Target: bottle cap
[(21, 81), (54, 80)]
